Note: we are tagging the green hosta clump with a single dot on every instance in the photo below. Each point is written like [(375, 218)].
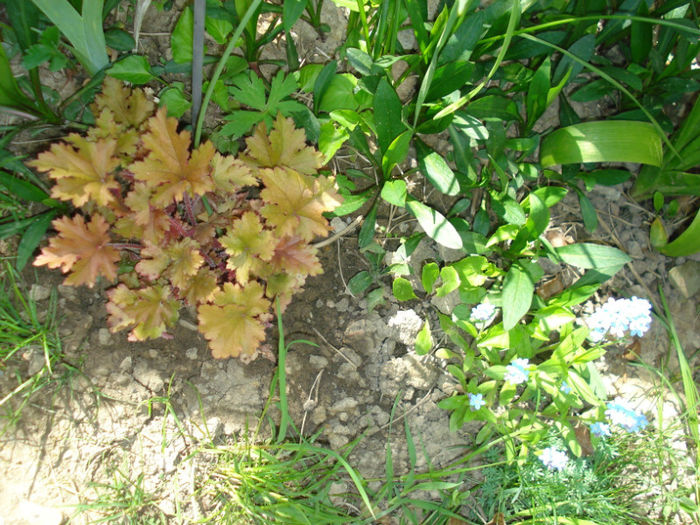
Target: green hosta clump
[(519, 352)]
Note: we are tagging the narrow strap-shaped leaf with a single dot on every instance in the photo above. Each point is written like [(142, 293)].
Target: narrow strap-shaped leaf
[(603, 141)]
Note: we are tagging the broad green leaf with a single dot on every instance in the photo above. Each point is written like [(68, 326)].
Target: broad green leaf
[(538, 219), (360, 282), (536, 100), (450, 281), (424, 340), (590, 217), (550, 195), (396, 152), (430, 274), (173, 98), (517, 293), (181, 37), (119, 39), (367, 230), (402, 289), (134, 69), (387, 115), (603, 141), (435, 225), (583, 48), (687, 243), (10, 93), (394, 192), (291, 11), (323, 81), (658, 237), (436, 170), (589, 255), (331, 140)]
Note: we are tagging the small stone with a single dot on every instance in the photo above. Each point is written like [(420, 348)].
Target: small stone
[(38, 292), (343, 416), (344, 405), (153, 353), (104, 337), (68, 292), (191, 353), (125, 365), (686, 278), (37, 360), (148, 377), (342, 305), (318, 361)]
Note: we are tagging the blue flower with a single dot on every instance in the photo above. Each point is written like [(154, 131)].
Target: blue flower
[(565, 388), (620, 413), (600, 429), (554, 458), (483, 312), (618, 316), (517, 372), (476, 401)]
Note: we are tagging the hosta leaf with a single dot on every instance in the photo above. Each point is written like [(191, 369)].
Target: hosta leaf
[(286, 146), (82, 173), (81, 249), (149, 310), (168, 168), (231, 324)]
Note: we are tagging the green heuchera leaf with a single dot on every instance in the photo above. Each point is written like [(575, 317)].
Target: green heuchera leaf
[(603, 141)]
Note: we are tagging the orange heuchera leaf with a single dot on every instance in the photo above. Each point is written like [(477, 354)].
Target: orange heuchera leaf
[(231, 174), (182, 260), (168, 168), (145, 222), (81, 249), (150, 311), (81, 174), (230, 323), (200, 288), (129, 107), (295, 255), (248, 245), (286, 146), (293, 206), (107, 128)]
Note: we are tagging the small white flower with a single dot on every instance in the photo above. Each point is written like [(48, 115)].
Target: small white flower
[(554, 459)]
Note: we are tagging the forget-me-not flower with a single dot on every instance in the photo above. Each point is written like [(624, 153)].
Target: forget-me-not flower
[(476, 401), (619, 412), (600, 429), (554, 459), (565, 388), (483, 312), (517, 372), (618, 316)]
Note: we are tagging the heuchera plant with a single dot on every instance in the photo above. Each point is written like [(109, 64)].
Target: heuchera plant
[(174, 227)]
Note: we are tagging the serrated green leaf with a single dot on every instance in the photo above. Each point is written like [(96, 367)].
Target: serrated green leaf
[(435, 225), (424, 340), (429, 275), (518, 290), (402, 289), (589, 255)]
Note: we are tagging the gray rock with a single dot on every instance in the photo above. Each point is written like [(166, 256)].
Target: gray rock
[(686, 278), (365, 335), (104, 337), (405, 325), (344, 405), (318, 361), (125, 365), (191, 353), (38, 292), (68, 292), (148, 377)]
